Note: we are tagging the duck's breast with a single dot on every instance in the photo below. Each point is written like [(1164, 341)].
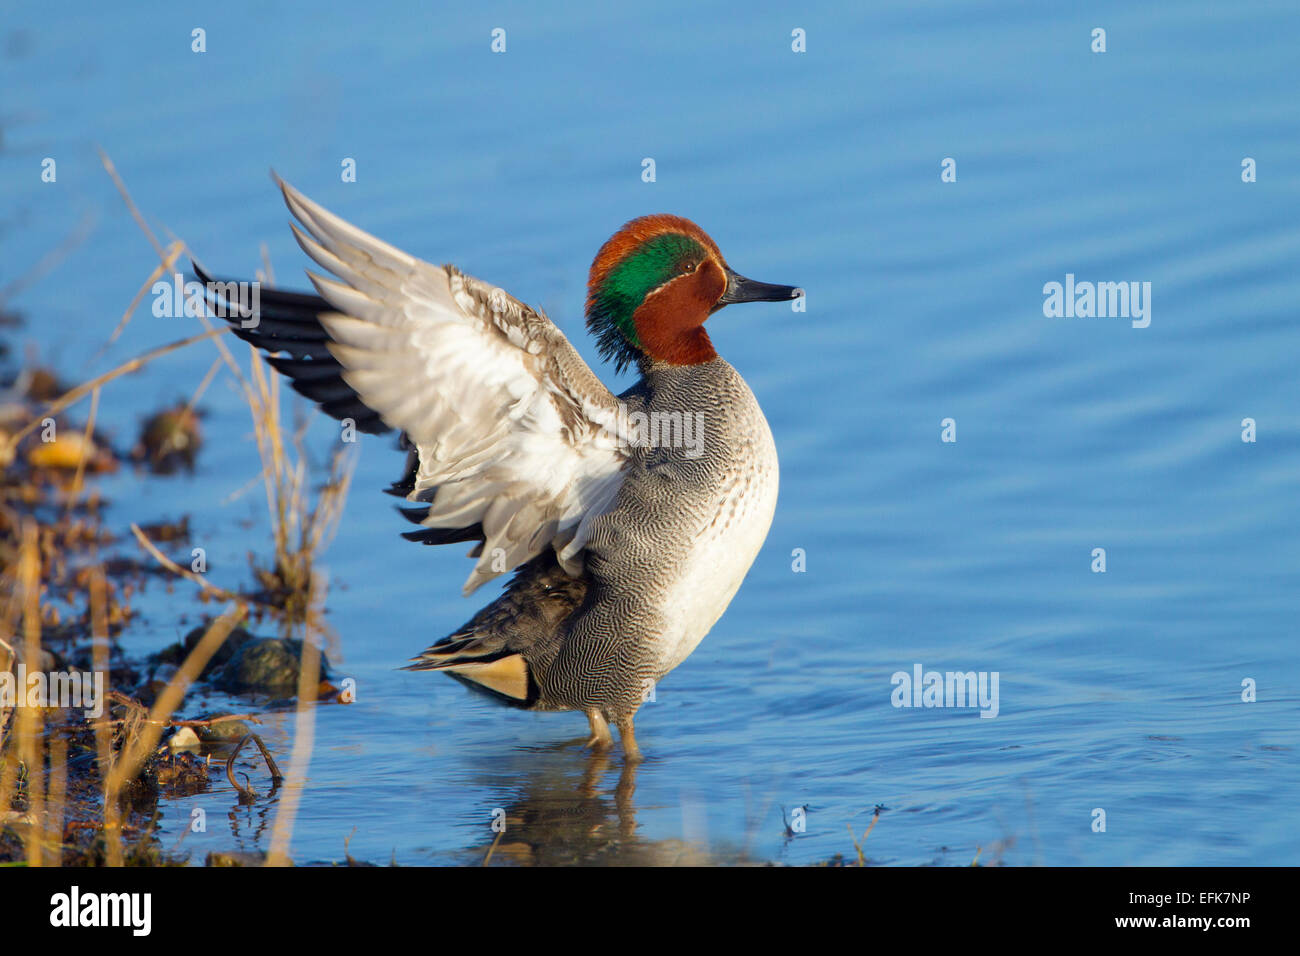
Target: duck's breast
[(717, 491)]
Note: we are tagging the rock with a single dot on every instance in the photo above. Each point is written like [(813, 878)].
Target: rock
[(169, 440), (69, 450), (265, 665), (42, 385), (176, 653), (224, 730), (184, 739)]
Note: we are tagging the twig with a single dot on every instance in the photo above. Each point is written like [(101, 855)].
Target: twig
[(80, 476), (857, 845), (492, 849), (91, 825), (140, 745), (172, 566), (247, 792), (205, 722), (219, 719), (174, 252), (76, 394), (203, 385), (130, 204)]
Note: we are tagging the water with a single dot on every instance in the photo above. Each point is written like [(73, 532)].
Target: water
[(1119, 691)]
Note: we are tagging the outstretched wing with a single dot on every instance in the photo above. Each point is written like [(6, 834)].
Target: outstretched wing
[(513, 440)]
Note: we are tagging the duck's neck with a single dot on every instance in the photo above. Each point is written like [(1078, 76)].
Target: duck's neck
[(680, 347), (670, 322)]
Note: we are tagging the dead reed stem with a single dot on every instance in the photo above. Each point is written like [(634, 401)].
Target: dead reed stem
[(72, 396), (30, 719), (304, 735)]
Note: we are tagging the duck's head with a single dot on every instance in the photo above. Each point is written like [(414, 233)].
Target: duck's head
[(653, 285)]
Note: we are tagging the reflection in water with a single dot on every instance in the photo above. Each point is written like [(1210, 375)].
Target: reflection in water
[(252, 815), (250, 823), (567, 814)]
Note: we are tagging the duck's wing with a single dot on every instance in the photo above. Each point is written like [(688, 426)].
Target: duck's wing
[(513, 441)]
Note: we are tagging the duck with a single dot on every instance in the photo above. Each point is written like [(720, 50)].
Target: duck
[(627, 522)]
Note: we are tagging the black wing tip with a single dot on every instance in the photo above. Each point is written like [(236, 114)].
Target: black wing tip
[(414, 515), (473, 532)]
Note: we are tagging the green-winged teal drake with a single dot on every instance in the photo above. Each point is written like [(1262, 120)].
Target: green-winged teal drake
[(629, 521)]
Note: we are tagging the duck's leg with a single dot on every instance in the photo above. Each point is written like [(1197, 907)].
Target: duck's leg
[(600, 738), (630, 750)]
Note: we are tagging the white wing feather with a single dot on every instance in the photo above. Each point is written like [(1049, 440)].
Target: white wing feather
[(511, 427)]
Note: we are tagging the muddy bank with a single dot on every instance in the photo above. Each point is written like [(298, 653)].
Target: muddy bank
[(95, 734)]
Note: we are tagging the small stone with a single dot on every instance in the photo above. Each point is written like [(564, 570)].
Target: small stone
[(169, 440), (184, 739), (69, 451), (176, 653), (266, 665), (224, 730)]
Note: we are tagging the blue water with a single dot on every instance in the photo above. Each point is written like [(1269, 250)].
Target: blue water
[(1119, 691)]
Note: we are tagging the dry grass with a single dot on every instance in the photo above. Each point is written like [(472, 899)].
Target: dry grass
[(300, 530), (35, 742)]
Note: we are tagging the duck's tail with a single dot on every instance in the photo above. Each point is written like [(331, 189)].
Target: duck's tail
[(503, 650)]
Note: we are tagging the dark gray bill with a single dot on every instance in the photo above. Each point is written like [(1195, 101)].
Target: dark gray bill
[(740, 289)]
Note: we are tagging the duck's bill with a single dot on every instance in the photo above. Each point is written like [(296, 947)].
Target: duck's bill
[(740, 289)]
